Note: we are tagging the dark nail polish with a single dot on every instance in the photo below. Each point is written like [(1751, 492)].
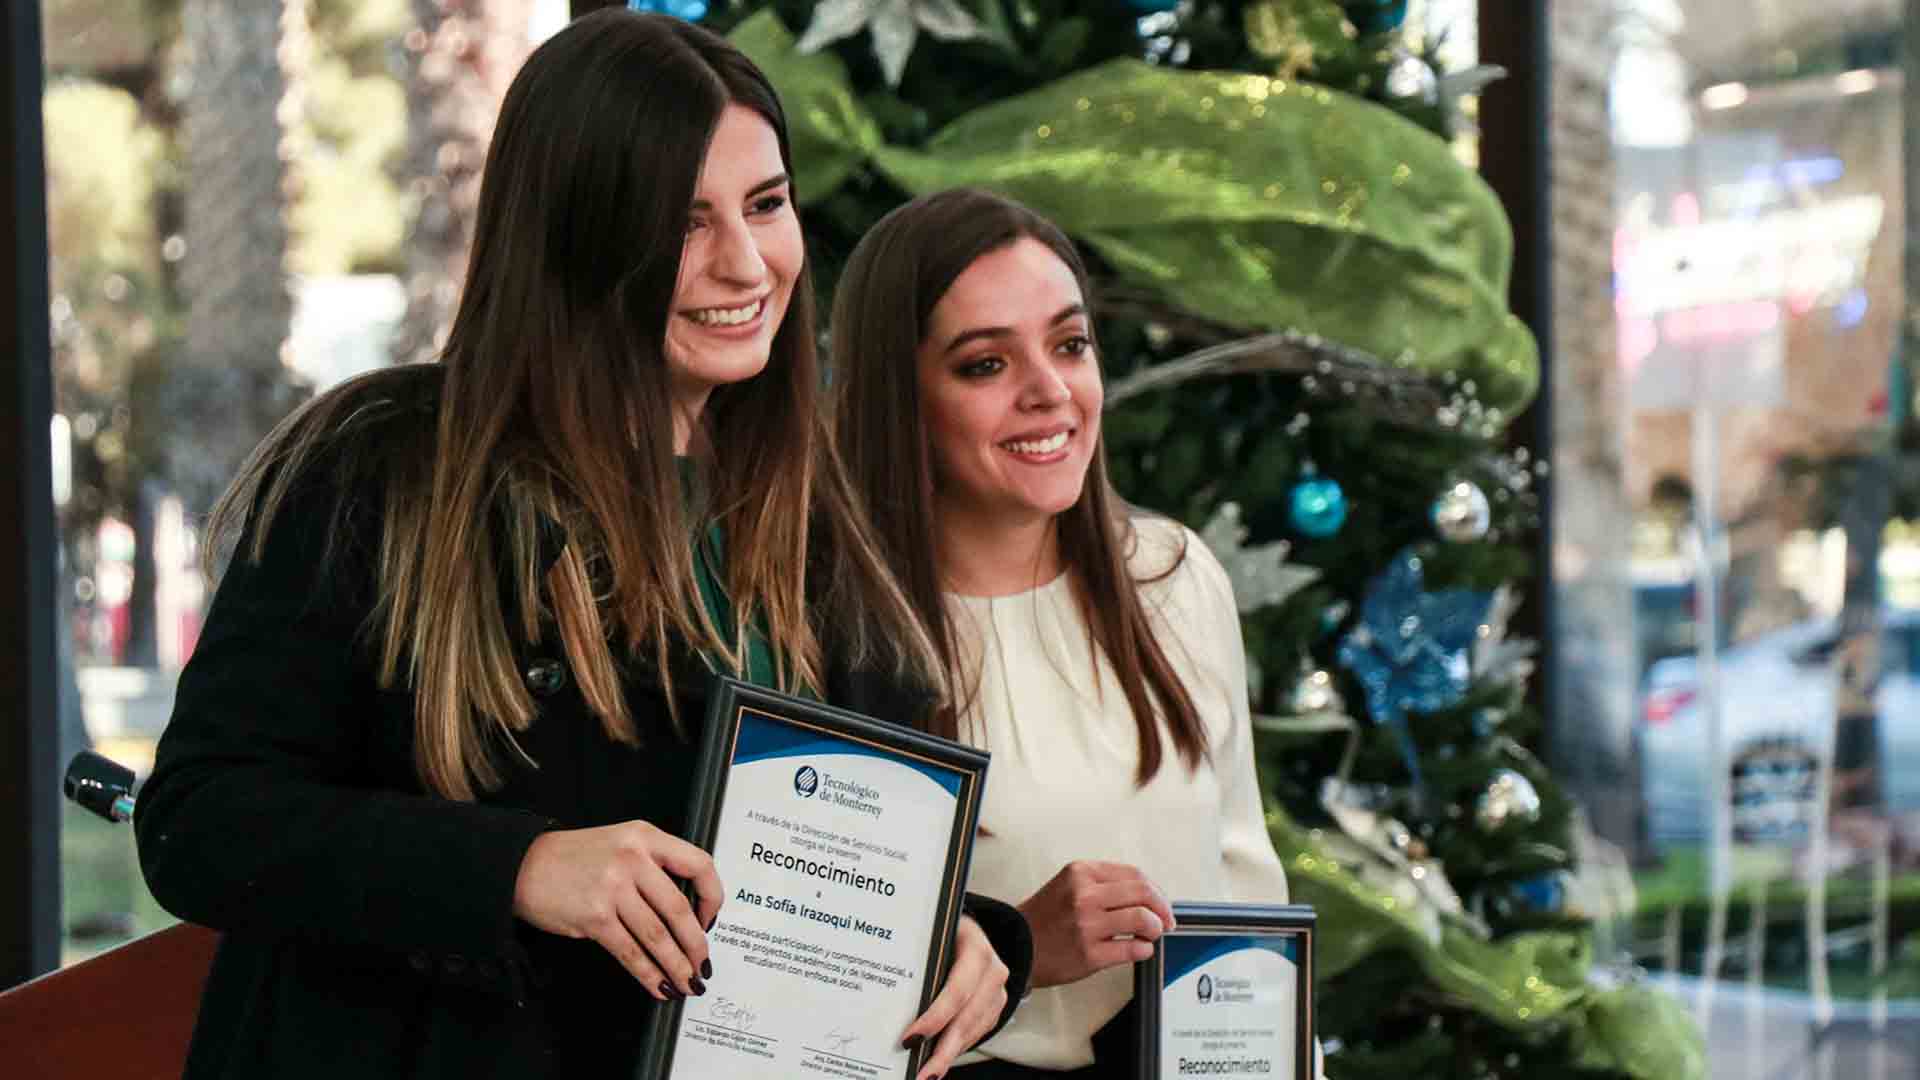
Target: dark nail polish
[(667, 991), (912, 1042), (706, 969), (699, 988)]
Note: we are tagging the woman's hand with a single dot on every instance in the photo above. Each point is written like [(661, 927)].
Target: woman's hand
[(968, 1006), (1091, 916), (612, 884)]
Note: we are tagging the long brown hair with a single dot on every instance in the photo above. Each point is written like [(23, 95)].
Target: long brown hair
[(882, 313), (553, 406)]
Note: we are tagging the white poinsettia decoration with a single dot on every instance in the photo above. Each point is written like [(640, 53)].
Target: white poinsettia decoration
[(895, 26), (1496, 657), (1260, 573), (1383, 855)]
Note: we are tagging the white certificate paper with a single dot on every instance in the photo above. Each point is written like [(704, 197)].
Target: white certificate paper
[(1228, 1006), (834, 855)]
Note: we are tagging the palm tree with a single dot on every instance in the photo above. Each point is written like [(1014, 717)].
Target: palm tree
[(461, 56), (231, 385)]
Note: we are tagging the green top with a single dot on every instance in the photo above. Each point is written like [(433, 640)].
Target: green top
[(759, 658), (712, 552)]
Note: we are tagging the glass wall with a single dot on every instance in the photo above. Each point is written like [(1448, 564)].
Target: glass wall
[(1749, 414), (1737, 518), (247, 202)]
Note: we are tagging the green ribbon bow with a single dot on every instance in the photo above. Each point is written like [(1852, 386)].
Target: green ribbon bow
[(1537, 982), (1255, 202)]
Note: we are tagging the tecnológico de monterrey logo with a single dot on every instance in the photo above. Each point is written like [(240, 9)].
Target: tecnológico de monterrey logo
[(806, 781)]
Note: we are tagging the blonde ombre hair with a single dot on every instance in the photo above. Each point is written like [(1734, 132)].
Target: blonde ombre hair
[(550, 405)]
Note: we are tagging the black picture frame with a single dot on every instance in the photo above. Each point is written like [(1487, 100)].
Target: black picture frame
[(1221, 919), (729, 701)]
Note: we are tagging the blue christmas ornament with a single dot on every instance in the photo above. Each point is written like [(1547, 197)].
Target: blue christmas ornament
[(1375, 16), (1412, 649), (1546, 892), (690, 10), (1541, 894), (1316, 507)]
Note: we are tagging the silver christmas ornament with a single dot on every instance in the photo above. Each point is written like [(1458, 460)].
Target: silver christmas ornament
[(1508, 797), (1410, 78), (1315, 693), (1461, 513)]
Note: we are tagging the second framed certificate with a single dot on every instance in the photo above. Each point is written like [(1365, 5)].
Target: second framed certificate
[(1229, 992), (843, 843)]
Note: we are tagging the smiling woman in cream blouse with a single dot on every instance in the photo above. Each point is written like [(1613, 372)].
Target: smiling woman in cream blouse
[(1092, 648)]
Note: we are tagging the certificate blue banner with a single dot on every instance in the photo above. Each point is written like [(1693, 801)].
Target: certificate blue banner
[(1184, 954), (762, 738)]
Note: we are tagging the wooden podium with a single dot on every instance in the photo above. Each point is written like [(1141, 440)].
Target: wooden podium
[(125, 1014)]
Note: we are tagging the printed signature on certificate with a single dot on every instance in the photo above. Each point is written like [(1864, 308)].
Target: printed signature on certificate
[(729, 1013)]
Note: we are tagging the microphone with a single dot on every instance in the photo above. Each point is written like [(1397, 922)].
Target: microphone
[(100, 784)]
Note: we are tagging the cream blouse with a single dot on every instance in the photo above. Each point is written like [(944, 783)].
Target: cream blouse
[(1061, 784)]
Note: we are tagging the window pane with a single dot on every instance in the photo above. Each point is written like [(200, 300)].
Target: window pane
[(240, 215), (1757, 225)]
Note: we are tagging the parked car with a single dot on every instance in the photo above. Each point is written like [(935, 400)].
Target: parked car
[(1777, 704), (1666, 619)]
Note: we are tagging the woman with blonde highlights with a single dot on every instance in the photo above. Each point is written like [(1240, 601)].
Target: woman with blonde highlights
[(1093, 648), (429, 761)]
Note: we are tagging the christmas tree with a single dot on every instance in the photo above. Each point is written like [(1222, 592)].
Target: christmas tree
[(1301, 301)]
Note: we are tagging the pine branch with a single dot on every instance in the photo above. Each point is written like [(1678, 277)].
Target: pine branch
[(1399, 397)]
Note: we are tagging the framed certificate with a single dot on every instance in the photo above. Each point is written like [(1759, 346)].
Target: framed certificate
[(1228, 993), (843, 844)]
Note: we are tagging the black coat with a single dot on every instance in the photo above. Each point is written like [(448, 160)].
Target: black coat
[(367, 924)]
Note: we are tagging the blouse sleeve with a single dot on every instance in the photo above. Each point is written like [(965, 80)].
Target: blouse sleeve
[(278, 806), (1254, 872)]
